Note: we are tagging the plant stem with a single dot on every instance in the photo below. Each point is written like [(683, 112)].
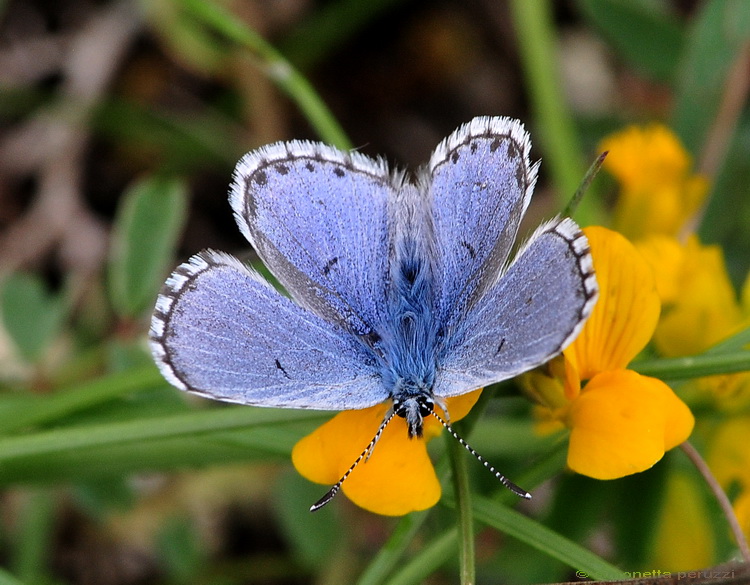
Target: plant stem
[(694, 366), (720, 495), (462, 492)]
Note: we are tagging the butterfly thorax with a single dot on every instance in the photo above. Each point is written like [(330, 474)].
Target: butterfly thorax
[(409, 356)]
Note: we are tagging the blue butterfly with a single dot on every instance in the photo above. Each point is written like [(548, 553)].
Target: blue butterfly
[(400, 290)]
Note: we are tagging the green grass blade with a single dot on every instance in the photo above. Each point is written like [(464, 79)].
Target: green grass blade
[(148, 223), (36, 410), (389, 556), (436, 553), (694, 366), (179, 425), (553, 119), (515, 524), (8, 579)]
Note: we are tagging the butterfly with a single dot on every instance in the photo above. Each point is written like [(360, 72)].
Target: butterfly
[(398, 290)]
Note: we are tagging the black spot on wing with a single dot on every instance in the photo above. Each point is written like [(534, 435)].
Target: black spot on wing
[(330, 264), (260, 178), (281, 368), (282, 169), (339, 172), (521, 177), (469, 248), (513, 151), (250, 207)]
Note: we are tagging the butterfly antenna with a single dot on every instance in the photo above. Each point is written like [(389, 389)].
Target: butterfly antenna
[(503, 480), (364, 455)]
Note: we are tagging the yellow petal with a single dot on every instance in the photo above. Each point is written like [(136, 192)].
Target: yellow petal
[(626, 313), (545, 385), (622, 423), (729, 457), (666, 256), (684, 537), (679, 421), (658, 195), (658, 209), (742, 511), (706, 310), (730, 392), (398, 478), (645, 156)]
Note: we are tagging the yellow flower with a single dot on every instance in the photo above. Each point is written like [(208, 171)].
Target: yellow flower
[(684, 537), (620, 421), (398, 478), (659, 194), (729, 459), (701, 307)]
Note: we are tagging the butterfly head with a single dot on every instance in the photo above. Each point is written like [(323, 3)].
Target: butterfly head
[(413, 409)]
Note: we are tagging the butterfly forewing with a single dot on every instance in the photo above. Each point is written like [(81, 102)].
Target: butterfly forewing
[(480, 185), (318, 218)]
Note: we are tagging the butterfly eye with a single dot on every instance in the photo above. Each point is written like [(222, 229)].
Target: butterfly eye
[(426, 406)]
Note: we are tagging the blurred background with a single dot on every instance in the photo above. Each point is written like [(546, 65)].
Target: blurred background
[(120, 124)]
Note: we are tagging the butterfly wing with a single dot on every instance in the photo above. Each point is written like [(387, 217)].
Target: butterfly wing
[(220, 330), (530, 315), (480, 183), (318, 218)]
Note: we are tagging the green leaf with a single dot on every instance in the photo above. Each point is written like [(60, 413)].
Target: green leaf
[(736, 343), (390, 555), (644, 37), (729, 191), (718, 33), (726, 357), (34, 540), (180, 549), (31, 314), (7, 579), (148, 223), (432, 555), (218, 435), (17, 412), (515, 524)]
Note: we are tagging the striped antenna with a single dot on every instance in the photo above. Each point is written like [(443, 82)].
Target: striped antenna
[(503, 480), (330, 494)]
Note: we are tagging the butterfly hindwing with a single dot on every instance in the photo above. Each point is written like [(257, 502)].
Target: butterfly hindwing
[(220, 330), (530, 315)]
